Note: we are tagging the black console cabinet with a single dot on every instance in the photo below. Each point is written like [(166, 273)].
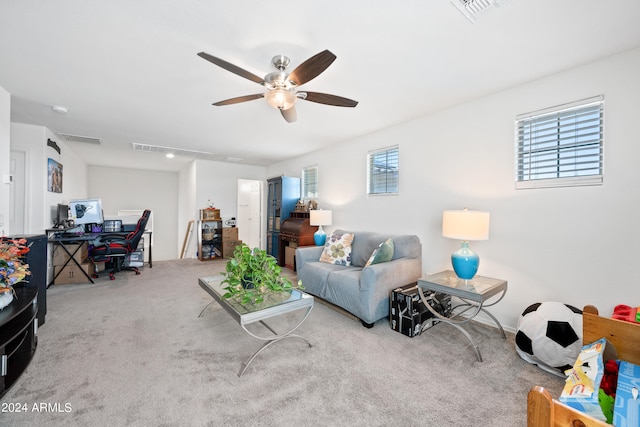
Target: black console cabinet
[(18, 335), (37, 260)]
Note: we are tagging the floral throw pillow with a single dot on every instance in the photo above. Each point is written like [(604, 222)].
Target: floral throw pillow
[(337, 249), (383, 253)]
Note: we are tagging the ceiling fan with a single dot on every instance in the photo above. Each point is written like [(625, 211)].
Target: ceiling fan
[(282, 87)]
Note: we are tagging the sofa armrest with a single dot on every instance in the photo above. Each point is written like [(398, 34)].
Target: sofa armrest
[(389, 275), (306, 254)]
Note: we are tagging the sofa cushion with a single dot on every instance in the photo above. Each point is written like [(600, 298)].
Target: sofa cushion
[(337, 250), (343, 289), (383, 253), (314, 276), (364, 243)]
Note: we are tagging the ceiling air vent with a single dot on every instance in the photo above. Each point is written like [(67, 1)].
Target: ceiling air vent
[(82, 139), (473, 8), (170, 150)]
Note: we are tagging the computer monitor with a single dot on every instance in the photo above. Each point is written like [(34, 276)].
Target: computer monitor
[(86, 211)]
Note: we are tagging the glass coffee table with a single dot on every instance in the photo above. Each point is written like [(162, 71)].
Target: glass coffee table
[(274, 304)]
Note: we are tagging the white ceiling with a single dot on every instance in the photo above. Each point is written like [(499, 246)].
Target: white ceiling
[(127, 71)]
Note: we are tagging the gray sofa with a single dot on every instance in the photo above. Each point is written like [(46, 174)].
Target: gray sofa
[(362, 291)]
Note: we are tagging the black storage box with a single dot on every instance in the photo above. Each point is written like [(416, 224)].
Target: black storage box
[(408, 314)]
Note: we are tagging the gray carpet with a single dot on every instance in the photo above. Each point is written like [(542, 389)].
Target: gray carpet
[(133, 352)]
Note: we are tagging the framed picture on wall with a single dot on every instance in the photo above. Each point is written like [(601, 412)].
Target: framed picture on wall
[(54, 176)]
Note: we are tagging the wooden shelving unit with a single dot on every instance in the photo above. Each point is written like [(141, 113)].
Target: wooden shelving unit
[(209, 230)]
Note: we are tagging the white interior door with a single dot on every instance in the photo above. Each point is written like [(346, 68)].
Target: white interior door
[(249, 219), (17, 166)]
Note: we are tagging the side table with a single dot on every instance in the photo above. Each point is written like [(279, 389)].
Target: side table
[(473, 293)]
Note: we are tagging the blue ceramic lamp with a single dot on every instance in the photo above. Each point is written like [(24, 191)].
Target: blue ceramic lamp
[(465, 225), (320, 217)]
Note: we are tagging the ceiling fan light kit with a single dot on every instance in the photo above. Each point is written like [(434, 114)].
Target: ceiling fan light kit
[(281, 86), (281, 99)]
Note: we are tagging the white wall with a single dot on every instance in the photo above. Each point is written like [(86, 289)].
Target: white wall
[(575, 245), (120, 188), (217, 183), (175, 198), (5, 145), (32, 140), (186, 207)]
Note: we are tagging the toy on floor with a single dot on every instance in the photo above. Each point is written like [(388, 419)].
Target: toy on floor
[(626, 313), (549, 334)]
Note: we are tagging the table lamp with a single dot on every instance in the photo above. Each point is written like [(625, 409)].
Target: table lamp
[(319, 217), (465, 225)]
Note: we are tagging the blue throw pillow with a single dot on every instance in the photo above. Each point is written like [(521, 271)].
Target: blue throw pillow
[(383, 253)]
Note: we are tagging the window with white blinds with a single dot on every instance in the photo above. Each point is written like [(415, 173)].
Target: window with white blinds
[(382, 171), (309, 182), (561, 146)]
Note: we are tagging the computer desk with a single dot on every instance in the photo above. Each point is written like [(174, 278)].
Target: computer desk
[(60, 238), (57, 236)]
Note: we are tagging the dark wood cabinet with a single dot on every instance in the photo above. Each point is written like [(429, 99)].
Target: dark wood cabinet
[(18, 330), (282, 195)]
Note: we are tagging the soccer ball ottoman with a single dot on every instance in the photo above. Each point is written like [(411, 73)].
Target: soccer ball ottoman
[(549, 334)]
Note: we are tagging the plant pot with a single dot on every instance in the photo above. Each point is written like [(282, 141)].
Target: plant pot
[(247, 282), (5, 299)]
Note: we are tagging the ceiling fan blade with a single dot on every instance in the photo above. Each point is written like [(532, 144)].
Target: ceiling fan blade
[(290, 114), (325, 98), (239, 99), (312, 67), (230, 67)]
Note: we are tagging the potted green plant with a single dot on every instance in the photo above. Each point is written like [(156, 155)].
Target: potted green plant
[(252, 273)]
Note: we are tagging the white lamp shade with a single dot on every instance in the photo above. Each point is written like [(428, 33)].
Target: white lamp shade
[(465, 225), (320, 217)]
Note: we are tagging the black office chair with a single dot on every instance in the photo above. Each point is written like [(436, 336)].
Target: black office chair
[(112, 248)]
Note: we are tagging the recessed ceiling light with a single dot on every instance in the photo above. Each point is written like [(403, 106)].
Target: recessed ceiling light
[(59, 109), (170, 155)]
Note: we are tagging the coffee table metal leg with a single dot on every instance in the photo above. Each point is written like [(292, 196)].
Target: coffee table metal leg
[(205, 307), (245, 365), (271, 340)]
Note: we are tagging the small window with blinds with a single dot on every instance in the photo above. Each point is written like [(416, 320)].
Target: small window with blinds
[(382, 171), (561, 146), (309, 183)]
